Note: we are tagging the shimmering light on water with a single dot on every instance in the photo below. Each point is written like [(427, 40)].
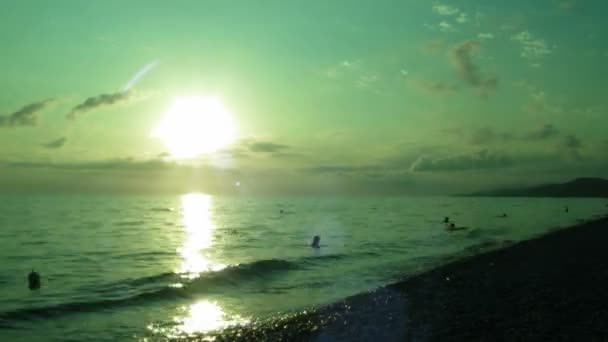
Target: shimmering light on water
[(206, 316), (198, 227)]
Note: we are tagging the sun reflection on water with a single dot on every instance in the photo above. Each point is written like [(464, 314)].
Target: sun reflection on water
[(202, 316), (205, 316), (198, 225)]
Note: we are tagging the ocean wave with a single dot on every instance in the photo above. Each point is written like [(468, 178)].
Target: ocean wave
[(168, 286), (90, 305), (157, 287)]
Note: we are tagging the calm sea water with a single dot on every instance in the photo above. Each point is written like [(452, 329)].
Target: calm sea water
[(134, 268)]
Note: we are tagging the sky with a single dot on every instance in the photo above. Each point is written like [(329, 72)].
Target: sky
[(325, 97)]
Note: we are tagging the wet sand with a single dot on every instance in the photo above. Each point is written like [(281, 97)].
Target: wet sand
[(552, 288)]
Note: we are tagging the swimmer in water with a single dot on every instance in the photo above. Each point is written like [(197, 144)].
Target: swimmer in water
[(315, 242), (33, 280), (446, 220)]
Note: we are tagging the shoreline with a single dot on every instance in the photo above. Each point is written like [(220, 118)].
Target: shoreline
[(552, 287)]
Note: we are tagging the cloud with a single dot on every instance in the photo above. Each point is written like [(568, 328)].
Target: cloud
[(462, 59), (572, 146), (489, 135), (342, 68), (462, 18), (445, 10), (332, 169), (475, 161), (102, 165), (26, 115), (266, 147), (543, 133), (435, 46), (567, 5), (450, 11), (433, 87), (486, 135), (531, 47), (572, 142), (98, 101), (444, 26), (485, 36), (367, 80), (55, 144)]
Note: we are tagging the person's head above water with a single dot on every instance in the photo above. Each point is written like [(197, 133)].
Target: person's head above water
[(446, 220), (315, 241), (33, 280)]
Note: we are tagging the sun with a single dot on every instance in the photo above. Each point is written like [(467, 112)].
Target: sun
[(194, 126)]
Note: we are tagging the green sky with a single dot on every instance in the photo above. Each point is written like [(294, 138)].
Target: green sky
[(333, 97)]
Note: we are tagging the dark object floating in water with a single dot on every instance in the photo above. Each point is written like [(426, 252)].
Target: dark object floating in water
[(315, 242), (446, 219), (566, 208), (452, 227), (33, 280)]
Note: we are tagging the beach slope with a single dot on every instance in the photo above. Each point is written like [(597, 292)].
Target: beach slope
[(551, 288)]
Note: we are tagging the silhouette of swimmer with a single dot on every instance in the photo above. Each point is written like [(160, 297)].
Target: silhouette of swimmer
[(446, 220), (315, 242), (33, 280), (566, 208), (504, 215)]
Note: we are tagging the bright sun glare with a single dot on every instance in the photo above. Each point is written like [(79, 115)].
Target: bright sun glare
[(194, 126)]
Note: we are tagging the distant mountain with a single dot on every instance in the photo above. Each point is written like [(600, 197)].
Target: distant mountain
[(580, 187)]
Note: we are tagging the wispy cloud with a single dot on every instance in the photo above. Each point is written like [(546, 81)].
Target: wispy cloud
[(354, 73), (480, 160), (433, 87), (339, 169), (531, 47), (450, 13), (103, 100), (55, 144), (266, 147), (567, 5), (485, 36), (435, 46), (111, 164), (572, 146), (367, 80), (545, 132), (445, 10), (486, 135), (572, 142), (489, 135), (462, 59), (462, 18), (340, 68), (444, 26), (26, 115)]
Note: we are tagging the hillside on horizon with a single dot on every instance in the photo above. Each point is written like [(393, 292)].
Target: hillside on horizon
[(580, 187)]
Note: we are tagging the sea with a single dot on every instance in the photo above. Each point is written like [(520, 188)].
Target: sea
[(148, 268)]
